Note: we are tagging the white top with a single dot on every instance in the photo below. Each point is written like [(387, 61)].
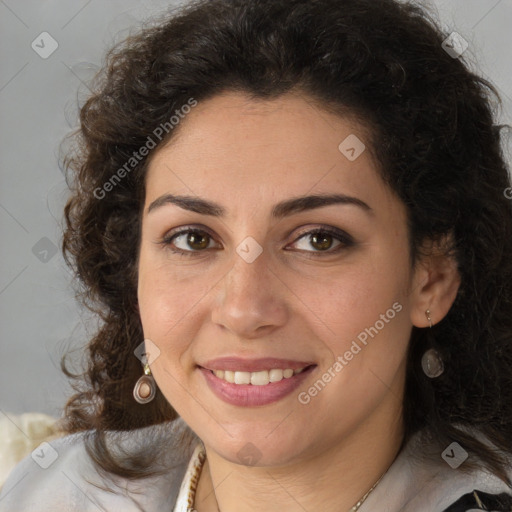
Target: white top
[(60, 476)]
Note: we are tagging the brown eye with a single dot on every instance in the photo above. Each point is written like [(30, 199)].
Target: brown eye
[(191, 240), (197, 240), (323, 240)]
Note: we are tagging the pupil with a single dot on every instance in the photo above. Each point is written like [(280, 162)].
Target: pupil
[(325, 241), (194, 237)]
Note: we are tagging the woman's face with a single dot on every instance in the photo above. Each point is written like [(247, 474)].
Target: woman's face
[(258, 278)]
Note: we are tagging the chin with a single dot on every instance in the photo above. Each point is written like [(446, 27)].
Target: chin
[(259, 449)]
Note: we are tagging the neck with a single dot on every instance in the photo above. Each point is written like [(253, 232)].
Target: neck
[(333, 480)]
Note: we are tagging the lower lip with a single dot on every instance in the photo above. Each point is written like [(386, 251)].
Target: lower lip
[(247, 395)]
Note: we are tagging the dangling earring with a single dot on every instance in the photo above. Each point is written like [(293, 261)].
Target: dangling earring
[(428, 317), (145, 388), (432, 362)]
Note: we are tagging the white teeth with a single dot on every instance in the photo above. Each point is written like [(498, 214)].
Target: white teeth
[(275, 375), (242, 378), (261, 378)]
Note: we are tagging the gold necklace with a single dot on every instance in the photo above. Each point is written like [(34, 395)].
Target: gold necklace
[(361, 501)]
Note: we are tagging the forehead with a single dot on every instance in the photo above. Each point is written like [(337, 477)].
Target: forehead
[(265, 149)]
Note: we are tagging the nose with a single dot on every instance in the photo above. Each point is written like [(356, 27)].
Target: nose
[(251, 300)]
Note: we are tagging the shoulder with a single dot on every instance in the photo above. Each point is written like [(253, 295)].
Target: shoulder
[(459, 490), (51, 477), (449, 489), (60, 476), (427, 477)]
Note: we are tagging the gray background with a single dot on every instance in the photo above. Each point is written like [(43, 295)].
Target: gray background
[(39, 319)]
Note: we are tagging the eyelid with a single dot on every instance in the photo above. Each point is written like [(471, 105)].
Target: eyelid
[(331, 230), (183, 230)]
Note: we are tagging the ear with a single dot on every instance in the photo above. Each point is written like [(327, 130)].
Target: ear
[(435, 283)]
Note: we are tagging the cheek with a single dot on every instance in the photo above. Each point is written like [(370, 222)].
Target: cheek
[(364, 319), (367, 337), (356, 297), (165, 296), (169, 305), (163, 311)]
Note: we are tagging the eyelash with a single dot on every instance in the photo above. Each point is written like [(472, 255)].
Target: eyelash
[(344, 238)]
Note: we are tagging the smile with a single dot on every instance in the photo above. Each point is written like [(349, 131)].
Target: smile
[(249, 389)]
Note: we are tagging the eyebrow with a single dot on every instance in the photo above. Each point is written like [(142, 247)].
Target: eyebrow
[(279, 211)]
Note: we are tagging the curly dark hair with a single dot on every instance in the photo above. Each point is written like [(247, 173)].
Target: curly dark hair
[(430, 124)]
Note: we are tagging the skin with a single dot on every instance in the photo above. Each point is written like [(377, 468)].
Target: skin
[(247, 155)]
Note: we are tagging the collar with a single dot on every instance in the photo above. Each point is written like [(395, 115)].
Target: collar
[(187, 493)]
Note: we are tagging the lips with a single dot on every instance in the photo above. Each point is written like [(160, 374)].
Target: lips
[(258, 393), (254, 382)]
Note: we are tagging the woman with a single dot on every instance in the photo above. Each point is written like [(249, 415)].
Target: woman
[(292, 218)]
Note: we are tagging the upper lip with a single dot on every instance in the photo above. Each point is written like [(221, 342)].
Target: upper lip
[(253, 365)]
